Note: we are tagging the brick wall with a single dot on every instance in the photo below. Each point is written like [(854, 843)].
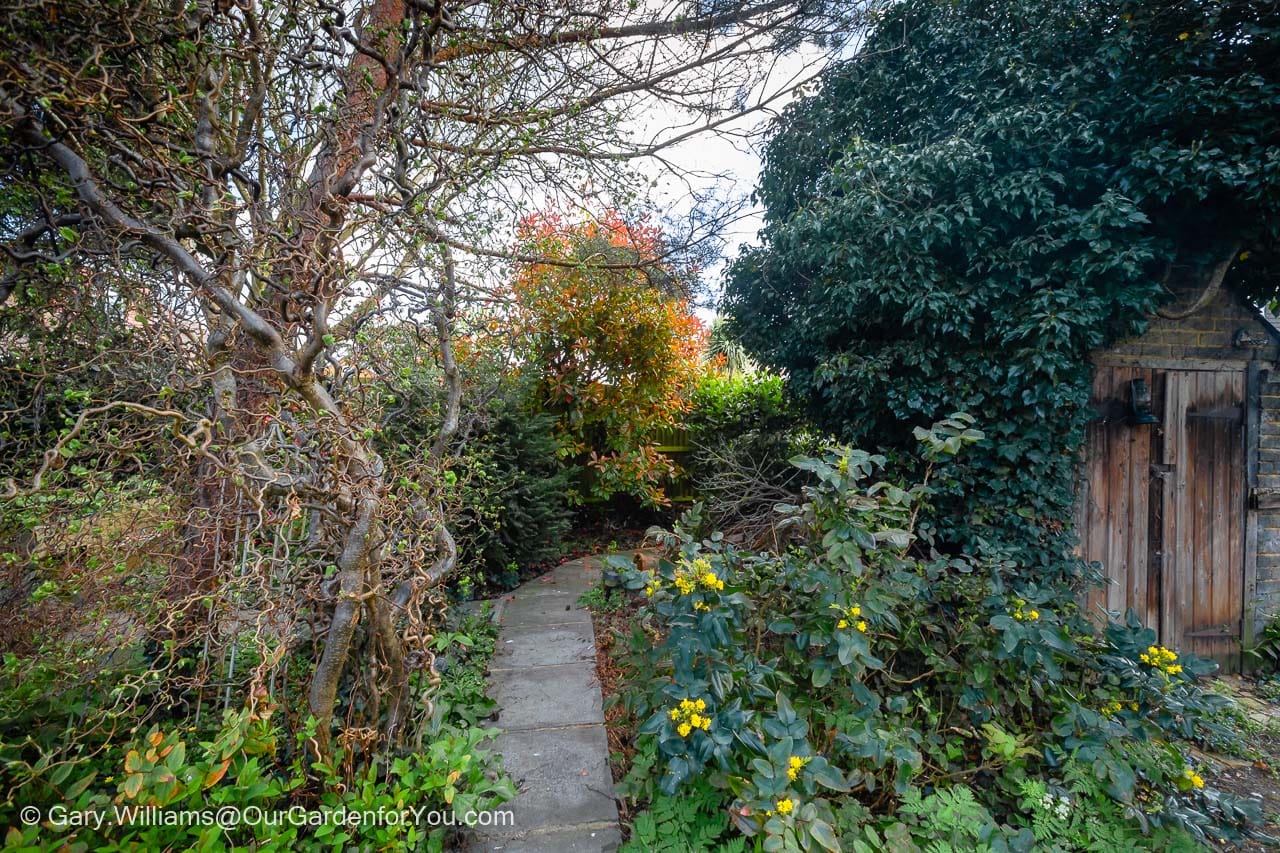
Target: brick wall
[(1209, 334), (1267, 596)]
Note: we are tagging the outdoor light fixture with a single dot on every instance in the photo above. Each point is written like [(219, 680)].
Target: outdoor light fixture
[(1140, 402)]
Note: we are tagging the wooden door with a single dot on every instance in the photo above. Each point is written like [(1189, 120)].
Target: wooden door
[(1202, 605), (1162, 506), (1114, 509)]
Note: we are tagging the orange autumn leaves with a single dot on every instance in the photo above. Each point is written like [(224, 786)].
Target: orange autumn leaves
[(607, 331)]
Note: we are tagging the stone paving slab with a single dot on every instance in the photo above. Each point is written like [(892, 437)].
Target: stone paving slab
[(578, 840), (543, 677), (543, 609), (547, 645), (564, 695), (563, 777)]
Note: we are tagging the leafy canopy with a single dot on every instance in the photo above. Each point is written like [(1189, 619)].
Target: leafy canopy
[(987, 193)]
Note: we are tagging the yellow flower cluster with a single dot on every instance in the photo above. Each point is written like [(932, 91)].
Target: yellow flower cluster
[(698, 573), (689, 715), (1158, 657), (850, 616), (1021, 614), (1196, 780), (784, 806), (690, 576), (1115, 706), (795, 765)]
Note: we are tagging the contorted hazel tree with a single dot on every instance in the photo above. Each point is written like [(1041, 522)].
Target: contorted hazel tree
[(281, 174), (608, 331)]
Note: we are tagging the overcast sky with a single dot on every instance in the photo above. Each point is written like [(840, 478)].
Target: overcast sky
[(727, 162)]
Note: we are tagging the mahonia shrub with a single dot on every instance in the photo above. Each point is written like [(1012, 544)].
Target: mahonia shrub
[(825, 688), (612, 344)]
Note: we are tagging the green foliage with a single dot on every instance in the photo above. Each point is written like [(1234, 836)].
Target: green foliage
[(745, 417), (598, 599), (694, 822), (860, 664), (513, 511), (505, 490), (75, 751), (992, 190), (744, 429), (1266, 647)]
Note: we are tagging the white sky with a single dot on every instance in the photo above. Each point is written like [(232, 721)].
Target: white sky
[(727, 160)]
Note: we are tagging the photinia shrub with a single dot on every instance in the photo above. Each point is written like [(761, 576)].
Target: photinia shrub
[(612, 344)]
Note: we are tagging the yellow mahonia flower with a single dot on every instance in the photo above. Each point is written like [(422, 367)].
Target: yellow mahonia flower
[(688, 714), (684, 584), (847, 614), (1183, 36), (1021, 614), (785, 805), (650, 588), (1193, 777), (1162, 659), (701, 605), (794, 766), (1244, 256)]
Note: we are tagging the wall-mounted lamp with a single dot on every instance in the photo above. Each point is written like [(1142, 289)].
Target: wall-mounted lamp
[(1140, 403)]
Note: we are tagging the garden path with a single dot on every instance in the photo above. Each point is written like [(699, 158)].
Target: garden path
[(543, 677)]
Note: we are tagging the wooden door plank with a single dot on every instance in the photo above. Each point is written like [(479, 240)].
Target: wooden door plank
[(1099, 463), (1118, 518), (1139, 515), (1175, 552), (1157, 504)]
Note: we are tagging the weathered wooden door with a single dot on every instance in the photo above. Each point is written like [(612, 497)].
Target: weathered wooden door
[(1163, 505)]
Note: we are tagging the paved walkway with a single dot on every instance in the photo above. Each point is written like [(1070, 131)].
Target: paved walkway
[(543, 677)]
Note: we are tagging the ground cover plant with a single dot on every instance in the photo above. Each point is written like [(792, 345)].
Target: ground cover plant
[(243, 759)]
